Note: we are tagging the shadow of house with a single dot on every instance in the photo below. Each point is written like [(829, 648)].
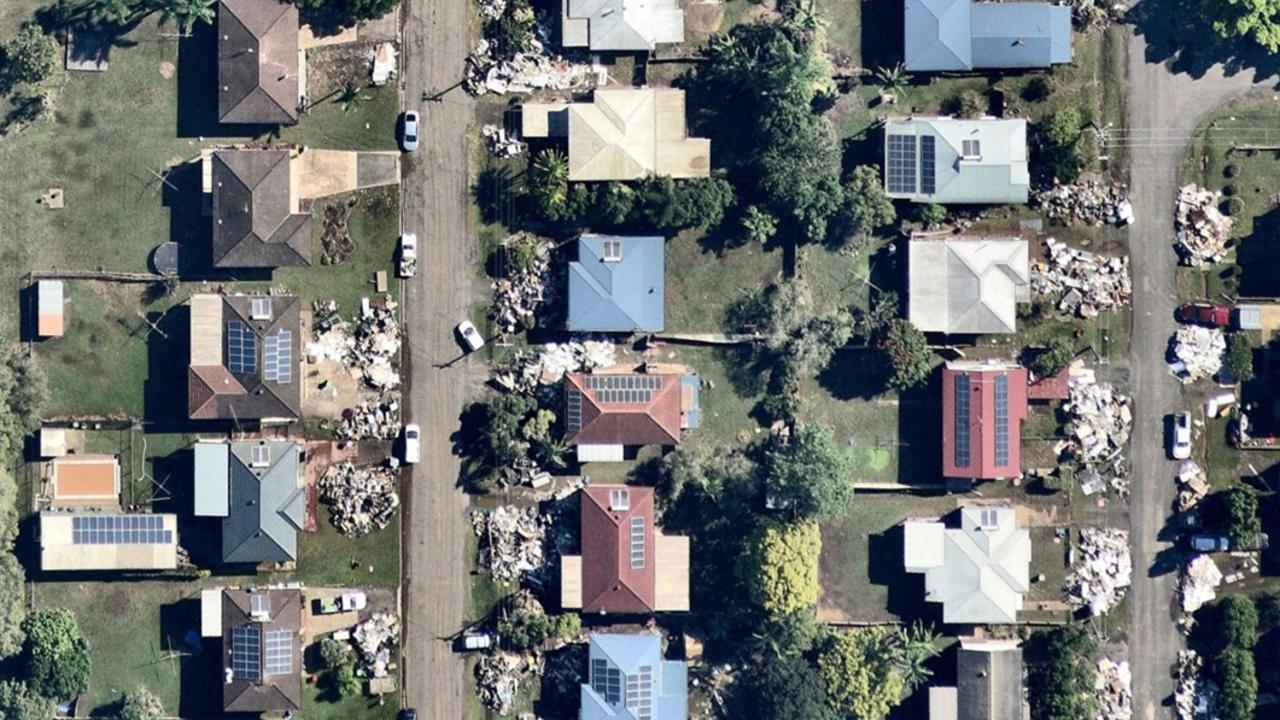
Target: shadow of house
[(882, 33), (201, 537), (1186, 43), (906, 590), (1259, 272), (28, 302), (199, 664), (920, 433), (165, 390)]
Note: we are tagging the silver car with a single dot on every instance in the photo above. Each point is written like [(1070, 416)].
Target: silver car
[(409, 133), (1180, 437), (470, 336)]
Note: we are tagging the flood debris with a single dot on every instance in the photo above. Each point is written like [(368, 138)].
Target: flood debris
[(1103, 570), (360, 499), (511, 541), (1099, 422), (498, 678), (1195, 697), (373, 419), (1203, 229), (384, 58), (500, 144), (1199, 583), (1088, 202), (1197, 352), (374, 638), (526, 72), (492, 9), (530, 369), (1193, 485), (1080, 282), (370, 350), (517, 297), (1114, 683)]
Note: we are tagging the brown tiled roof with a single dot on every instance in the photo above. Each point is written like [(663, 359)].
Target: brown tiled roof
[(609, 583), (214, 392), (257, 62), (252, 222), (656, 422), (270, 692)]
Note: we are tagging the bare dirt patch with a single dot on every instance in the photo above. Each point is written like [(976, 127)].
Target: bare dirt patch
[(117, 603), (332, 68), (167, 69), (703, 18)]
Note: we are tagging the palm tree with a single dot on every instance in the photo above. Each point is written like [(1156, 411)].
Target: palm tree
[(893, 79), (803, 15), (114, 12), (186, 12), (912, 648), (350, 98), (549, 180)]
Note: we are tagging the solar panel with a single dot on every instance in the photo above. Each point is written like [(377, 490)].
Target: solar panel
[(277, 357), (246, 652), (119, 530), (573, 410), (259, 603), (606, 681), (637, 543), (902, 163), (962, 421), (242, 348), (1002, 420), (622, 382), (640, 692), (260, 309), (279, 652), (928, 167)]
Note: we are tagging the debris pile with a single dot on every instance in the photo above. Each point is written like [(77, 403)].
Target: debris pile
[(368, 352), (361, 500), (1096, 12), (511, 541), (1195, 697), (517, 296), (499, 143), (335, 239), (549, 365), (1198, 352), (1082, 282), (493, 9), (1089, 202), (1193, 485), (374, 639), (498, 678), (1200, 580), (1102, 574), (1203, 229), (383, 57), (1100, 420), (1114, 686), (370, 420), (523, 73)]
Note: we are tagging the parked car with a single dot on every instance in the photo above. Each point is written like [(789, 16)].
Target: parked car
[(470, 336), (412, 443), (1180, 437), (477, 640), (1205, 314), (408, 265), (1205, 542), (408, 714), (409, 131), (346, 602)]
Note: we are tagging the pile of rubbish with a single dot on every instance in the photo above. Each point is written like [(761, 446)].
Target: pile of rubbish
[(498, 678), (370, 420), (1100, 420), (1102, 574), (499, 144), (1115, 692), (511, 541), (1193, 485), (1199, 584), (492, 9), (374, 639), (523, 73), (529, 370), (368, 352), (1203, 229), (1082, 282), (1198, 351), (1089, 202), (517, 296), (361, 500), (383, 57), (1195, 697)]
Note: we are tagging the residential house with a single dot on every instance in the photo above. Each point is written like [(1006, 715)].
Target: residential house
[(979, 571), (627, 565), (622, 134), (965, 286), (628, 680), (261, 634), (107, 541), (962, 35), (983, 406), (616, 284), (620, 25), (953, 161), (255, 486), (256, 218), (244, 358), (988, 683), (50, 316), (259, 62), (605, 413)]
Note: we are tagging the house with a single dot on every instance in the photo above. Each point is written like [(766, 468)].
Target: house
[(259, 63), (107, 541), (256, 218), (255, 487), (979, 571), (983, 406), (967, 286), (953, 161), (622, 134), (244, 362), (87, 481), (616, 284), (620, 25), (628, 680), (988, 683), (627, 565), (963, 35), (605, 413), (50, 319), (261, 633)]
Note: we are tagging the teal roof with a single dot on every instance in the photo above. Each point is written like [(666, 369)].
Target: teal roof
[(638, 659), (961, 35), (268, 507), (624, 295), (937, 35)]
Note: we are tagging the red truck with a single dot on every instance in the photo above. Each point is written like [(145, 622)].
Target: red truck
[(1205, 314)]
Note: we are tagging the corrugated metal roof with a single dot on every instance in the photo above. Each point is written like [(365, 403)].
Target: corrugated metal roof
[(212, 483), (621, 24), (980, 427), (999, 173), (960, 35), (268, 507), (626, 295), (936, 35), (626, 654), (967, 286)]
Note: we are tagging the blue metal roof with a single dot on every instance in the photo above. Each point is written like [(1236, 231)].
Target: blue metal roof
[(936, 35), (625, 295), (690, 387), (957, 35), (627, 654)]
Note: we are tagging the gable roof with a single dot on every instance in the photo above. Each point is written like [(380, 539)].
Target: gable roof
[(983, 406), (967, 286), (267, 506), (269, 691), (218, 391), (256, 222), (989, 680), (997, 173), (632, 657), (611, 582), (936, 34), (961, 35), (621, 24), (625, 295), (980, 571), (257, 62), (622, 409)]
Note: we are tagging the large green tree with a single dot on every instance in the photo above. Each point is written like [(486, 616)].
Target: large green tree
[(1237, 622), (780, 566), (908, 352), (57, 654), (1061, 674), (1257, 20), (808, 474), (19, 702), (860, 676), (867, 207), (1238, 684), (22, 396), (787, 688), (30, 56), (798, 337), (1243, 523), (346, 12)]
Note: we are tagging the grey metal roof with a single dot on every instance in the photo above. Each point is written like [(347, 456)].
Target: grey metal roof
[(627, 654), (621, 24), (964, 286), (212, 472), (989, 683), (998, 174), (625, 295), (268, 507), (980, 571), (961, 35)]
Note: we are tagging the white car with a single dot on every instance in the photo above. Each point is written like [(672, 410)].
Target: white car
[(408, 255), (470, 336), (412, 443), (477, 640), (1180, 438), (409, 133), (353, 601)]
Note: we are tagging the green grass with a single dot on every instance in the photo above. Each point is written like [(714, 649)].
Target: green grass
[(701, 284), (871, 424), (324, 556), (321, 701), (844, 28)]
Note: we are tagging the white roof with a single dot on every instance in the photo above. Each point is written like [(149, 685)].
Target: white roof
[(997, 173), (211, 613), (967, 286), (212, 486), (600, 453), (621, 24)]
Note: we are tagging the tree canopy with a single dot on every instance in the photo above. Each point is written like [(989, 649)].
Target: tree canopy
[(1238, 685), (1243, 523), (784, 689), (141, 704), (22, 395), (19, 702), (1054, 358), (809, 474), (858, 671), (780, 566), (908, 352), (30, 56), (1060, 674), (1239, 359), (1257, 20), (1238, 622), (798, 338), (57, 654)]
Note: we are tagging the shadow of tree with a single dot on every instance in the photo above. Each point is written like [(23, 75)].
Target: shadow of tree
[(1180, 38)]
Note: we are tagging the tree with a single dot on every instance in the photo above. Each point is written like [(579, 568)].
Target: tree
[(1059, 141), (800, 167), (809, 474), (910, 649), (566, 626), (30, 56), (512, 32), (1238, 622), (1060, 675), (12, 578), (860, 676), (500, 442), (1239, 358), (525, 629), (615, 204), (22, 396), (351, 98), (1243, 523), (784, 689), (758, 224), (866, 205), (780, 566), (1054, 358), (704, 201), (788, 635), (187, 13), (348, 684), (1257, 20), (549, 184), (19, 702), (893, 79), (334, 653), (1238, 685), (141, 704), (344, 12), (798, 338), (931, 214), (908, 353), (115, 12), (57, 654)]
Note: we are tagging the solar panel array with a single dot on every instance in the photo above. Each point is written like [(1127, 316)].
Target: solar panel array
[(902, 163), (928, 166), (1002, 420), (624, 389), (637, 543), (640, 692), (962, 421), (277, 358), (573, 410), (606, 681), (119, 530), (242, 348), (279, 652), (246, 652)]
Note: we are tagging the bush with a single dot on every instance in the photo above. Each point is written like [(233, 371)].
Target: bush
[(1238, 685), (1232, 170), (1060, 674), (859, 674), (1059, 144), (566, 626), (19, 702), (908, 353), (1054, 357), (969, 104), (1232, 206), (1038, 90), (141, 704), (787, 688), (29, 57), (931, 214), (512, 32), (758, 225), (780, 567), (1238, 622), (1243, 523), (348, 684), (57, 654), (334, 653), (1239, 360), (1228, 190), (866, 207)]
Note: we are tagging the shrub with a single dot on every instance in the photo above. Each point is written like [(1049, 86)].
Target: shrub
[(1232, 206), (866, 205), (1232, 170), (758, 225), (1054, 357), (1038, 90), (1239, 360), (1238, 622), (1243, 523), (334, 653), (859, 673), (1238, 685), (57, 654), (931, 214), (29, 57), (141, 704), (908, 353), (780, 566)]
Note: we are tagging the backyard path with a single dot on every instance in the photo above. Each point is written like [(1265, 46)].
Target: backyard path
[(435, 204)]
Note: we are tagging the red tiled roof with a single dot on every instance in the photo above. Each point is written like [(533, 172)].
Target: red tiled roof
[(656, 422), (981, 424), (609, 583)]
